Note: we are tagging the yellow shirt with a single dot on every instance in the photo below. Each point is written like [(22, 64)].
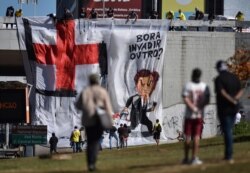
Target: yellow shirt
[(18, 14), (240, 17), (170, 15), (182, 16), (76, 135)]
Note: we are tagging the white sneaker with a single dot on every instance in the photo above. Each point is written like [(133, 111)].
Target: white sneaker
[(196, 161)]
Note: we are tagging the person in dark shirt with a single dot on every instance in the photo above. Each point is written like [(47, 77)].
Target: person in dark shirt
[(228, 92), (110, 13), (132, 15), (112, 134), (83, 13), (67, 14), (10, 13), (211, 17), (199, 15), (121, 134), (93, 14), (153, 15), (157, 132), (53, 143), (126, 134)]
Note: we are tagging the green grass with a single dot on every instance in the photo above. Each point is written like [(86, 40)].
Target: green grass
[(142, 159)]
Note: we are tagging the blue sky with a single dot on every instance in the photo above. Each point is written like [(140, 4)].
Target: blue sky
[(43, 7)]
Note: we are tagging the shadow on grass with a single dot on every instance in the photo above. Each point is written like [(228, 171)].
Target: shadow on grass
[(152, 166), (240, 139), (67, 171), (212, 144)]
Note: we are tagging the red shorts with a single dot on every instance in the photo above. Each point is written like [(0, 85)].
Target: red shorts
[(193, 127)]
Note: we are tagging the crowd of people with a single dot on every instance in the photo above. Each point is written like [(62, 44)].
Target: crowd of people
[(133, 16), (10, 12)]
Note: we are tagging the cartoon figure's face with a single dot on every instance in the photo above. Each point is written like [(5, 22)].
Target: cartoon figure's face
[(145, 85)]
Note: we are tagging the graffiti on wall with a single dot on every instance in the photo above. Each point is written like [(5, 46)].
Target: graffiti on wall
[(173, 119)]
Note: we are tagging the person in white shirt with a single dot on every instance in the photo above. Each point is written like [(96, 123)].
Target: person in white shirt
[(196, 96)]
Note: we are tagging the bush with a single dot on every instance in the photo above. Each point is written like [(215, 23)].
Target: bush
[(242, 128)]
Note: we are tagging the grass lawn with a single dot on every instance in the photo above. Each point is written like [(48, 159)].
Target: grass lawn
[(142, 159)]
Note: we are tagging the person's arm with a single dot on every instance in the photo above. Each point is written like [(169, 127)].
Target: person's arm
[(152, 108), (129, 102), (231, 99), (190, 104)]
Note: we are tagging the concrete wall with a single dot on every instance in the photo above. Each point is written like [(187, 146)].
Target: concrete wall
[(187, 50)]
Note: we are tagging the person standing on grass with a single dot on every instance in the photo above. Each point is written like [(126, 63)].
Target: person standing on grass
[(121, 133), (228, 92), (75, 139), (126, 134), (196, 96), (112, 134), (157, 132), (53, 143)]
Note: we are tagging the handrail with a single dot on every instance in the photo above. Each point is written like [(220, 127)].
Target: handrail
[(141, 22)]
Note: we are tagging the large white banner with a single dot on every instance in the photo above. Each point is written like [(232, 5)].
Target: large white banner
[(61, 55)]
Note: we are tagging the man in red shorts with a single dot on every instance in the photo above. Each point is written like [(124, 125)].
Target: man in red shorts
[(196, 96)]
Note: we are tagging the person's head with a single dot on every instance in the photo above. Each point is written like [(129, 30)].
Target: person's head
[(121, 125), (110, 8), (75, 127), (196, 74), (146, 81), (196, 9), (179, 10), (221, 66), (125, 125), (157, 121), (93, 79), (53, 134)]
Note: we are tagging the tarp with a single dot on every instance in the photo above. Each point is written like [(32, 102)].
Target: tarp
[(61, 55)]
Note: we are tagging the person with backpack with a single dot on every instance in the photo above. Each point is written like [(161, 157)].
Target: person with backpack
[(157, 132)]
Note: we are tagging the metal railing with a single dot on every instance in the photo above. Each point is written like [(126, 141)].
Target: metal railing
[(142, 22)]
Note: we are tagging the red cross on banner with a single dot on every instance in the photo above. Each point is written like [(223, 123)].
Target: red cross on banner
[(65, 55)]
